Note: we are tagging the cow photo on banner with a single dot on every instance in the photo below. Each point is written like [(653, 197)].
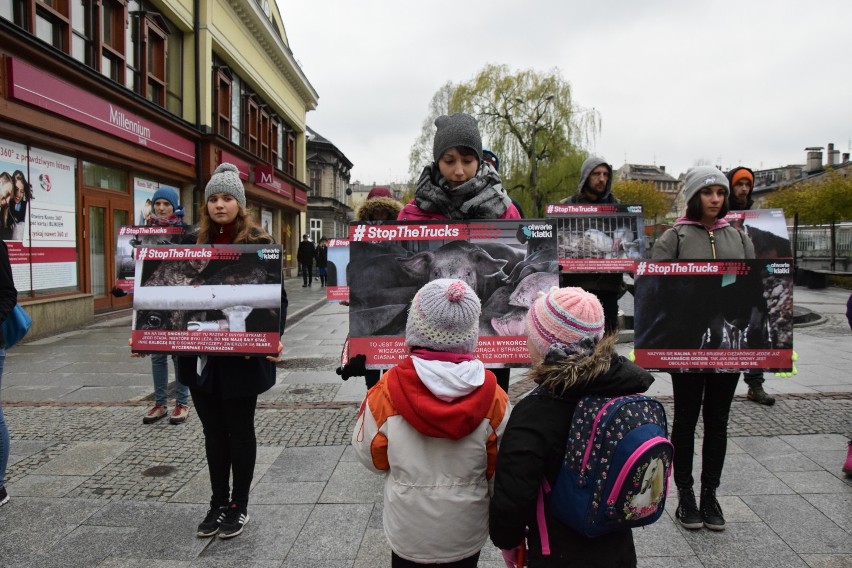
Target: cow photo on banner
[(222, 299), (767, 229), (337, 288), (598, 238), (505, 261), (714, 315)]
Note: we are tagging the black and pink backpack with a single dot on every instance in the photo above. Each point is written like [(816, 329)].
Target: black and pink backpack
[(616, 467)]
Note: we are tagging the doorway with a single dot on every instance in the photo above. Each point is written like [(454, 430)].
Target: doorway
[(102, 217)]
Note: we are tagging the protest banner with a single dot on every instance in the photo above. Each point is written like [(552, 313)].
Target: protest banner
[(336, 288), (725, 315), (505, 261), (132, 237), (215, 299), (767, 229), (598, 238)]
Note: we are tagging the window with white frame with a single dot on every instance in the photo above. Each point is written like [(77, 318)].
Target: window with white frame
[(316, 230)]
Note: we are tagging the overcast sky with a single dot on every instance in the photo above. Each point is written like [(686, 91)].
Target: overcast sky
[(731, 82)]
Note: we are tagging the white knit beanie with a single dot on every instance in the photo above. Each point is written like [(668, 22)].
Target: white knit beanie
[(444, 316), (226, 179)]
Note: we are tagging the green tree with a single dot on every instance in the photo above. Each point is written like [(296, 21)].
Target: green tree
[(643, 193), (530, 120), (826, 200)]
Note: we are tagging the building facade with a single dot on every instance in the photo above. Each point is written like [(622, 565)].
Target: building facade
[(329, 210), (104, 101)]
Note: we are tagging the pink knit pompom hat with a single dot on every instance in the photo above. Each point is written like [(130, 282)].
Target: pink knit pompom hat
[(563, 316), (444, 316)]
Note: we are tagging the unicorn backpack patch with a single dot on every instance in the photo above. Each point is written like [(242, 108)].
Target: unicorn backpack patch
[(616, 466)]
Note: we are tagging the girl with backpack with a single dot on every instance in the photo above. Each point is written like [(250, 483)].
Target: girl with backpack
[(571, 358), (702, 233)]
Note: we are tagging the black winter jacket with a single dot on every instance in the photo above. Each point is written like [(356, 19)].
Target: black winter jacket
[(231, 376), (532, 448), (8, 293)]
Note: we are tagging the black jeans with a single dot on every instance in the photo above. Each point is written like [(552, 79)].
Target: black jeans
[(230, 443), (710, 394), (469, 562), (307, 273)]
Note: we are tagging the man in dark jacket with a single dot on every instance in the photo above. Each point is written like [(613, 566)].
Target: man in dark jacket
[(741, 180), (305, 255), (596, 187)]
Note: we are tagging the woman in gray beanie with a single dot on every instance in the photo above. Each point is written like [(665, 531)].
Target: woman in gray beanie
[(458, 184), (702, 233), (225, 388)]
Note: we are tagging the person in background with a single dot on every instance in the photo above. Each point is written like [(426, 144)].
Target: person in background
[(165, 212), (741, 181), (571, 358), (847, 465), (432, 425), (8, 299), (702, 233), (460, 184), (380, 205), (225, 388), (305, 255), (322, 261), (595, 187)]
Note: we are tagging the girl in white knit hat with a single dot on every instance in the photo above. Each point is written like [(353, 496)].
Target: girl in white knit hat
[(432, 425)]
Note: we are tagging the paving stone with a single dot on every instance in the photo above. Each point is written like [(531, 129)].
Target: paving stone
[(287, 493), (324, 538), (46, 485), (348, 484), (304, 464), (828, 560), (801, 525), (814, 482), (836, 507)]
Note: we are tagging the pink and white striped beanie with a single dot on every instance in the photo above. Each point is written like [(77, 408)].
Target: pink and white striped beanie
[(563, 315), (444, 316)]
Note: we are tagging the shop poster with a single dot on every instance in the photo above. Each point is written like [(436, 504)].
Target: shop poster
[(506, 262), (692, 316), (214, 299), (598, 238), (38, 216)]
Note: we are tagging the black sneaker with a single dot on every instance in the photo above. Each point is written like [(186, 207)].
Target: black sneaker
[(235, 519), (687, 512), (4, 496), (211, 523), (711, 512)]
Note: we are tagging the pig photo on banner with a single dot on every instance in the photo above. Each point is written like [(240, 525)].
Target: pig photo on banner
[(222, 299), (598, 238), (132, 237), (505, 261), (714, 315)]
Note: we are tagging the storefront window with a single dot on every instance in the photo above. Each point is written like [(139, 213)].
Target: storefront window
[(104, 177)]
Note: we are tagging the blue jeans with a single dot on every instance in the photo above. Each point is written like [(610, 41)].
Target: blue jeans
[(4, 431), (160, 370)]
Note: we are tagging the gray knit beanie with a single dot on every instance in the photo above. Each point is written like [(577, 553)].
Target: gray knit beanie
[(456, 130), (444, 316), (703, 176), (226, 179)]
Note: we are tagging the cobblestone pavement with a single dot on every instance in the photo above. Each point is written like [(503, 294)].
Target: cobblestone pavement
[(92, 486)]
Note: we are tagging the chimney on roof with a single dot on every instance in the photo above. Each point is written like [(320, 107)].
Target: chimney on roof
[(814, 163), (663, 169), (833, 156), (845, 157)]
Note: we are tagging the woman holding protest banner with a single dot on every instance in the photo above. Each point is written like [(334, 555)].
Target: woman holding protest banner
[(702, 233), (225, 388), (459, 184), (165, 212)]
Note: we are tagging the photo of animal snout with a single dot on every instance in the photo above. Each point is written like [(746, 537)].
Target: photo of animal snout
[(651, 490)]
